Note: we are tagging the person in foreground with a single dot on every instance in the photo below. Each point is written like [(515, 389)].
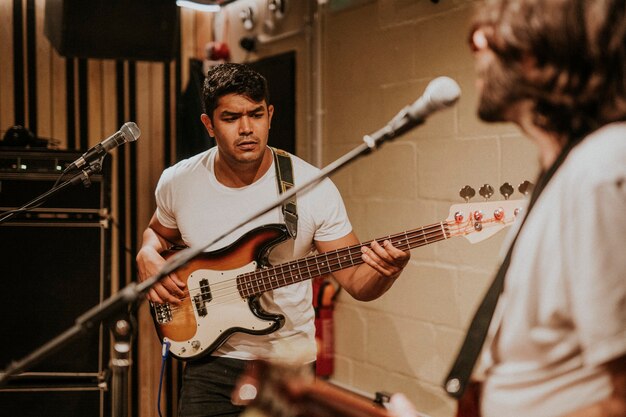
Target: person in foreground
[(556, 345), (200, 197)]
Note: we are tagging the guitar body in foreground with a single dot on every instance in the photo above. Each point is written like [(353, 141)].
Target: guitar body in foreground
[(214, 308), (224, 286), (273, 390), (282, 390)]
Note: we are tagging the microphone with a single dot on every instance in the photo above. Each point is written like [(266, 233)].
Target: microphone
[(440, 93), (129, 132)]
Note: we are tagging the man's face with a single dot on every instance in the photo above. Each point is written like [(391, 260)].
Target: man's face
[(240, 127), (496, 87)]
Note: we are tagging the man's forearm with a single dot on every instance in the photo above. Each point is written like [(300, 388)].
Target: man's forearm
[(368, 284)]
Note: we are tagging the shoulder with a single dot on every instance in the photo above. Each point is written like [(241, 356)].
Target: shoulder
[(302, 167), (304, 171), (187, 166), (598, 162), (323, 195), (599, 159)]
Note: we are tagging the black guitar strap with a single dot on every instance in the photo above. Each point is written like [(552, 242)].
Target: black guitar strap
[(284, 180), (459, 376)]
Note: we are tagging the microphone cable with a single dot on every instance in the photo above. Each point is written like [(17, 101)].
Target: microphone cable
[(164, 355)]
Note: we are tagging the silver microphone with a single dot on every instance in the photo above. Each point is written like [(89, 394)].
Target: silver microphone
[(440, 93), (129, 132)]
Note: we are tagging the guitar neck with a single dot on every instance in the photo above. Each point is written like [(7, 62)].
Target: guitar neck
[(267, 279)]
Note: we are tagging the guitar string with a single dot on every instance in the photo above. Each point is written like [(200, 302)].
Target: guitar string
[(423, 236), (353, 252)]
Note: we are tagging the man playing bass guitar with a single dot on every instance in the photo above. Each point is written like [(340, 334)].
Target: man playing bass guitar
[(201, 196)]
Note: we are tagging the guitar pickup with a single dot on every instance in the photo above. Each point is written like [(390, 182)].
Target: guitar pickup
[(203, 297), (205, 290), (162, 313)]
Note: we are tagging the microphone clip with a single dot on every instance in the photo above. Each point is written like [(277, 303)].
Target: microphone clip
[(84, 175)]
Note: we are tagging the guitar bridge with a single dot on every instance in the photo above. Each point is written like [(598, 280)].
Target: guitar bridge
[(203, 297), (162, 313)]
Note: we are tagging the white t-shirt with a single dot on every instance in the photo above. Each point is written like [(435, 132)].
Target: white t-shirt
[(563, 310), (190, 199)]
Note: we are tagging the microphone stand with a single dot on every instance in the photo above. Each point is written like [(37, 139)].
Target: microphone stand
[(132, 292), (122, 331)]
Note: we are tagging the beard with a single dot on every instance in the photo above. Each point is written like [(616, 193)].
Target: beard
[(500, 91)]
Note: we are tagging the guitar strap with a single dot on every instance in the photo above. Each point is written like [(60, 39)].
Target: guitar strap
[(459, 376), (284, 180)]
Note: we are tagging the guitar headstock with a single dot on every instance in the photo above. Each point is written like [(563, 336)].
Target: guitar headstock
[(477, 221)]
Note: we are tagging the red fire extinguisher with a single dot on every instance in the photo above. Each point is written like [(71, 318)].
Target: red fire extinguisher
[(325, 292)]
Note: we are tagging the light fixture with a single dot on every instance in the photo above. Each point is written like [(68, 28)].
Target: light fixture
[(199, 5)]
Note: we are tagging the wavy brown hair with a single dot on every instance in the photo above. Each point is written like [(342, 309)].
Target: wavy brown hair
[(232, 78), (570, 56)]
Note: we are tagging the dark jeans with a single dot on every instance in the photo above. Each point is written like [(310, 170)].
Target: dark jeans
[(207, 387)]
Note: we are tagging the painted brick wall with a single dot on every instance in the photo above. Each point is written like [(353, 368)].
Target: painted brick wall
[(379, 58)]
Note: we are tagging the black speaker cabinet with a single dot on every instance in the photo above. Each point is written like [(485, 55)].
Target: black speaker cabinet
[(113, 29), (55, 265)]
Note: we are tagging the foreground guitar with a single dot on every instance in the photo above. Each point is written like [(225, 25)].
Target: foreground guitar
[(281, 390), (225, 285), (276, 390)]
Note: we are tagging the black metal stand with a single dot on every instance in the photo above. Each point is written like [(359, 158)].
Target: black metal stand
[(122, 331)]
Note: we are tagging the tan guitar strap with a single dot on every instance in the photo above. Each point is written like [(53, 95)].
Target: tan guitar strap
[(284, 180)]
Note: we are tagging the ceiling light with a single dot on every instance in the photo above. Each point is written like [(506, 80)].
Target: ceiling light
[(202, 6)]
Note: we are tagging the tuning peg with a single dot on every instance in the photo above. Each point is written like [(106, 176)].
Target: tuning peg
[(486, 191), (467, 192), (506, 190), (526, 187)]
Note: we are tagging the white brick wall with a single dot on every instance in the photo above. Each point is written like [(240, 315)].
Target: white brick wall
[(379, 58)]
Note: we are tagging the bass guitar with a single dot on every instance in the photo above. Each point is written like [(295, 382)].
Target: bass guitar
[(224, 286)]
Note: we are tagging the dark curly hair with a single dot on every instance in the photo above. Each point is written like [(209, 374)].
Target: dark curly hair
[(577, 80), (232, 78)]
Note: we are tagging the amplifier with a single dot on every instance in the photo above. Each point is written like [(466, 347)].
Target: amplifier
[(56, 259), (25, 175)]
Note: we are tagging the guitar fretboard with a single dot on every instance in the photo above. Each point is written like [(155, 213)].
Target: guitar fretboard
[(267, 279)]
